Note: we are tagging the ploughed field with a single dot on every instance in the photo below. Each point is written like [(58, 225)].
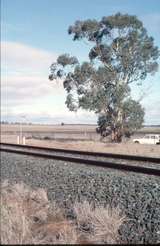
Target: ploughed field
[(137, 195)]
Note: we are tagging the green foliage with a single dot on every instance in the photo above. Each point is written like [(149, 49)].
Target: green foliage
[(66, 60), (133, 114), (132, 119), (121, 53)]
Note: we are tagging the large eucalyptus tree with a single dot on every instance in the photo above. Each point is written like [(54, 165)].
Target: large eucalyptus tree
[(121, 53)]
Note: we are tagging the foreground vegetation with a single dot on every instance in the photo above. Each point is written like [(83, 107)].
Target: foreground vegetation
[(136, 195), (28, 217)]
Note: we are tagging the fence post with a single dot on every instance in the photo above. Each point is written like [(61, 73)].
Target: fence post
[(24, 140), (17, 139)]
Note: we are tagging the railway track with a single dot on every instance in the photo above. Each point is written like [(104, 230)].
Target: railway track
[(129, 163)]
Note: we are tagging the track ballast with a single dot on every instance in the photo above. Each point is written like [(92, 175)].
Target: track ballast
[(108, 160)]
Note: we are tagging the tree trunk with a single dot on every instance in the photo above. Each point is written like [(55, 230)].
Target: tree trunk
[(116, 135), (117, 129)]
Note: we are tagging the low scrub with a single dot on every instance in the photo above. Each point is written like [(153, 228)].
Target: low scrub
[(27, 217)]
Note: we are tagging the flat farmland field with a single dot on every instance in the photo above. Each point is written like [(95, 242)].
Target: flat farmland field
[(10, 132), (47, 128), (33, 128)]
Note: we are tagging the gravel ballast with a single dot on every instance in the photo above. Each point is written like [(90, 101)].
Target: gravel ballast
[(137, 195)]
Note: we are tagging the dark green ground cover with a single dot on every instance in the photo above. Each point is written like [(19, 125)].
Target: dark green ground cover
[(137, 195)]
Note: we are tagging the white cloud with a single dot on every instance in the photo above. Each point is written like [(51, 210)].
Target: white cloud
[(24, 78), (17, 57), (28, 86), (25, 87)]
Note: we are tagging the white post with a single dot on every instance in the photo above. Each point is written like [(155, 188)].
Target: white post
[(20, 132), (24, 140), (17, 139)]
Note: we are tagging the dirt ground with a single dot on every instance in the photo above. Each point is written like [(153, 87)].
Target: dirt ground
[(122, 148)]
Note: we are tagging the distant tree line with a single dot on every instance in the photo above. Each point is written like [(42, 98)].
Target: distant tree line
[(3, 122)]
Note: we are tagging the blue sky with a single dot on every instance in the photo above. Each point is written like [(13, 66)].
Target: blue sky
[(34, 33)]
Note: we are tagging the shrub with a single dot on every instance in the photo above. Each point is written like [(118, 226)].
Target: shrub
[(27, 217)]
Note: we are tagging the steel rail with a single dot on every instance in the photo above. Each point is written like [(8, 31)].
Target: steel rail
[(106, 164), (89, 153)]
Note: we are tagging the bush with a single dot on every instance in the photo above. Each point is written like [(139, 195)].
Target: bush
[(27, 217)]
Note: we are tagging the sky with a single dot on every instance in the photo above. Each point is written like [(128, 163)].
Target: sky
[(34, 34)]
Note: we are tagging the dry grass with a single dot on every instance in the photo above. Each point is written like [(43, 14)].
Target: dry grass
[(27, 217), (101, 223), (122, 148), (15, 223)]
